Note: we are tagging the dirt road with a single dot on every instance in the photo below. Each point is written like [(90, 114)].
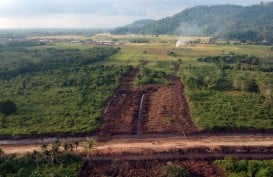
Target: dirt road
[(149, 143)]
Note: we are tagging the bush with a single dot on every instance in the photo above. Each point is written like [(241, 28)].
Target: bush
[(8, 107), (176, 171), (257, 168), (251, 86), (195, 82), (149, 76), (223, 84), (172, 53)]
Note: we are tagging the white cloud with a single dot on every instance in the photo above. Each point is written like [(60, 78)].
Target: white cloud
[(92, 13), (65, 21)]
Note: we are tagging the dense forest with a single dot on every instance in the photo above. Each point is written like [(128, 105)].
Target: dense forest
[(250, 23)]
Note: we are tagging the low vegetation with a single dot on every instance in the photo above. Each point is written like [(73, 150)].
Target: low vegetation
[(230, 91), (7, 107), (156, 73), (51, 161), (56, 91), (247, 168), (175, 171)]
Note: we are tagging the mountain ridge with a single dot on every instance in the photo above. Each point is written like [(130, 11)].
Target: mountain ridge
[(229, 21)]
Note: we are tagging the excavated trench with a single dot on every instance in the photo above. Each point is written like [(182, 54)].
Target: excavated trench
[(147, 109)]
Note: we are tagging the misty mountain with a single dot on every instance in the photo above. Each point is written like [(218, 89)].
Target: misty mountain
[(230, 21), (133, 27)]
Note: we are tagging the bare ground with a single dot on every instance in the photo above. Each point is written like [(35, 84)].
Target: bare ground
[(164, 109), (149, 168)]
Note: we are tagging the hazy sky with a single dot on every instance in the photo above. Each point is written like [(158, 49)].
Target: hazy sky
[(93, 13)]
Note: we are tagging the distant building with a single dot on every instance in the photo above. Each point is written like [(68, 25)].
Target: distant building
[(103, 43)]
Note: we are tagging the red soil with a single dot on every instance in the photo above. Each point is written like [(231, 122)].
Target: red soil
[(149, 168), (164, 109)]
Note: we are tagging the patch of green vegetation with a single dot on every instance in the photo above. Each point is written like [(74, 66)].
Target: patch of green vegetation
[(175, 171), (247, 168), (69, 100), (7, 107), (159, 74), (197, 51), (215, 109), (49, 162), (50, 59), (62, 92), (228, 97), (242, 62)]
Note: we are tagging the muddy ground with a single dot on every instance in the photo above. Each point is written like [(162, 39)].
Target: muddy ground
[(149, 168), (148, 109)]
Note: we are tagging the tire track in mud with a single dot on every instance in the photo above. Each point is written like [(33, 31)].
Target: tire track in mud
[(122, 111)]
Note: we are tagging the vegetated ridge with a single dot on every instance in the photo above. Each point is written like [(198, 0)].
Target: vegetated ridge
[(133, 27), (250, 23)]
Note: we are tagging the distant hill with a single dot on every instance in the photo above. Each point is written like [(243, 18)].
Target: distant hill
[(253, 23), (133, 27)]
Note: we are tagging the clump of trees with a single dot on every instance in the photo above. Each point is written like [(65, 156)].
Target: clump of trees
[(248, 168), (241, 62), (7, 107), (231, 58), (53, 58), (149, 76)]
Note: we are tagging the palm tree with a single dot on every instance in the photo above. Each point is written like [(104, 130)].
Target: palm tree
[(1, 152), (90, 145), (55, 150), (76, 143)]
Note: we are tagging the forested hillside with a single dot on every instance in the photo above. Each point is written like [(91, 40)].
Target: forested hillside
[(250, 23), (133, 27)]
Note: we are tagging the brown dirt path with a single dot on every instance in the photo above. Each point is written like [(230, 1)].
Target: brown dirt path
[(142, 144), (184, 110)]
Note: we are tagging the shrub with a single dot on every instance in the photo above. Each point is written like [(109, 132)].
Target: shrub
[(8, 107), (251, 86), (195, 82), (223, 84), (176, 171), (172, 53)]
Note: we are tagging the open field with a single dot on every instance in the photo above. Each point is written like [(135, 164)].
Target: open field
[(69, 91), (150, 104)]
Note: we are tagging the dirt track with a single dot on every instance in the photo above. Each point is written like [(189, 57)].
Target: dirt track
[(147, 144)]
